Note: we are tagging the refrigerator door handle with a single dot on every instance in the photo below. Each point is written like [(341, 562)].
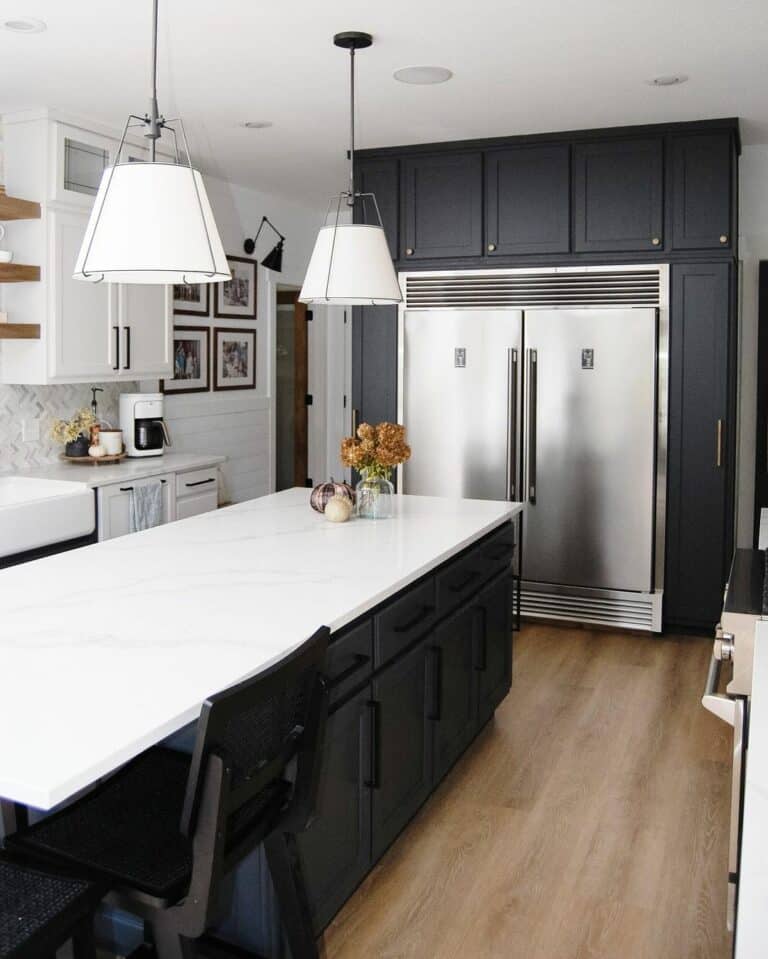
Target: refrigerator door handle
[(511, 424), (531, 445)]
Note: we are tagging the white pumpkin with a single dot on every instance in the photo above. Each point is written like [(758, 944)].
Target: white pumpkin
[(338, 509), (96, 451)]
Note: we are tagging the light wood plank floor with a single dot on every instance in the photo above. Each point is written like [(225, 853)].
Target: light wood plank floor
[(589, 820)]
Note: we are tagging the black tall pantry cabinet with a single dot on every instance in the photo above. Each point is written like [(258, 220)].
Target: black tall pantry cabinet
[(636, 195)]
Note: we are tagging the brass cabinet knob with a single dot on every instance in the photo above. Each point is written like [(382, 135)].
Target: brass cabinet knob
[(409, 251), (723, 237), (491, 247), (656, 241)]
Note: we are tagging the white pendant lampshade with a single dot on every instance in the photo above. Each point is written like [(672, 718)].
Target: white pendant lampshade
[(152, 223), (351, 264)]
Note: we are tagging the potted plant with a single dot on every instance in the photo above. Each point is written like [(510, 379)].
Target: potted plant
[(374, 452), (74, 433)]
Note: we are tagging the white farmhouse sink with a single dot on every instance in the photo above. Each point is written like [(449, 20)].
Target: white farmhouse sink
[(40, 512)]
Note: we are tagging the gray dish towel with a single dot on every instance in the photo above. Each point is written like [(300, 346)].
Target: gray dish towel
[(146, 506)]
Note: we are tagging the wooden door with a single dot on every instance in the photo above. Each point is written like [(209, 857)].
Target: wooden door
[(527, 200), (297, 395), (618, 195), (442, 206)]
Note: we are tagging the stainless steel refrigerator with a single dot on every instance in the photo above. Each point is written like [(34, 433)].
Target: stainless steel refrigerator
[(556, 408)]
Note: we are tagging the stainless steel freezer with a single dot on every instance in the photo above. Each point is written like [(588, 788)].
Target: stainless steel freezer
[(556, 402)]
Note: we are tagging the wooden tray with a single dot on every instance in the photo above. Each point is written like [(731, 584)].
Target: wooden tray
[(93, 460)]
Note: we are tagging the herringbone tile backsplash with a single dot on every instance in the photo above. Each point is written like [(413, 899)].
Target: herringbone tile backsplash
[(46, 404)]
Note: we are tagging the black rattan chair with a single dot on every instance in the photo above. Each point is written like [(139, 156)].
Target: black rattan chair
[(166, 829), (40, 911)]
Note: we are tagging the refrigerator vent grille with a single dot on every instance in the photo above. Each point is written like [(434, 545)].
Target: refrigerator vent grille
[(531, 290), (627, 610)]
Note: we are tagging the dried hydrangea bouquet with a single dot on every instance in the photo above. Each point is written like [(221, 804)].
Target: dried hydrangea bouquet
[(374, 452)]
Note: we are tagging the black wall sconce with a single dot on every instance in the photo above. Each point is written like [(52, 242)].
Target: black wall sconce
[(274, 259)]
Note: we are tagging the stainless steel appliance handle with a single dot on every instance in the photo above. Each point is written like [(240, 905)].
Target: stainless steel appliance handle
[(719, 457), (166, 433), (721, 706), (512, 424), (532, 377)]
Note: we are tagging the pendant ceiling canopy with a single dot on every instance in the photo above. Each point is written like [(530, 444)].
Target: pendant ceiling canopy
[(351, 263), (151, 221)]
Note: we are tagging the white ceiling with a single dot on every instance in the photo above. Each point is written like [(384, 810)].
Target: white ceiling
[(519, 67)]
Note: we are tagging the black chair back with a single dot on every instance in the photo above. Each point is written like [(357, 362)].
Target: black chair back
[(257, 729)]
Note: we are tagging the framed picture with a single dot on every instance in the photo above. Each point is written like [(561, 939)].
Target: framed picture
[(236, 298), (234, 359), (191, 299), (191, 361)]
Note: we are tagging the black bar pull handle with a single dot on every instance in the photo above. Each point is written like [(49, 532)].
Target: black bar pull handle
[(467, 581), (129, 489), (116, 364), (358, 661), (422, 614), (373, 712), (435, 677), (211, 479), (127, 365), (481, 641)]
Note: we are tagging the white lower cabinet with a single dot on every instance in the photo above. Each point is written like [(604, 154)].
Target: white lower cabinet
[(184, 494), (114, 504)]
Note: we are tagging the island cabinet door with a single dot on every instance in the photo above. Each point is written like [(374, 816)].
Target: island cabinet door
[(453, 709), (336, 849), (493, 644), (402, 740)]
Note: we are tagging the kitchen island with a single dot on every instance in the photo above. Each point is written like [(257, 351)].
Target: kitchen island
[(112, 648)]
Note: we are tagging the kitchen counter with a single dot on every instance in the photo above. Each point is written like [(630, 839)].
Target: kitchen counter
[(108, 650), (130, 468), (752, 921)]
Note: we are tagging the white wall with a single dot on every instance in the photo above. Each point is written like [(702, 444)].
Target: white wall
[(753, 244), (241, 424)]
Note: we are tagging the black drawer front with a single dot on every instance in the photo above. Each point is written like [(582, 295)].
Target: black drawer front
[(498, 550), (460, 580), (404, 620), (349, 661)]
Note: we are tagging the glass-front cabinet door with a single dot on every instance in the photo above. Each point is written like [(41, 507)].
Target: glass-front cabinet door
[(79, 160)]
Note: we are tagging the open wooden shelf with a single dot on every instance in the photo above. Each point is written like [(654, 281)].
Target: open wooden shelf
[(18, 273), (19, 331), (12, 208)]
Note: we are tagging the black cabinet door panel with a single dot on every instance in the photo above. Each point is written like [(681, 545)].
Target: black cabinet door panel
[(700, 451), (442, 197), (403, 744), (336, 849), (382, 178), (493, 656), (618, 195), (702, 192), (454, 711), (374, 363), (527, 200)]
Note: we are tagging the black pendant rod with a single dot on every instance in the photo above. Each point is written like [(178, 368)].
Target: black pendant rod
[(351, 197), (154, 120)]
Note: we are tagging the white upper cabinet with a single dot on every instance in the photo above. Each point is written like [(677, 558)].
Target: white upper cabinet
[(146, 330), (88, 332), (83, 316)]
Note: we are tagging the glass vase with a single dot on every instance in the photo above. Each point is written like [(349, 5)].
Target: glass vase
[(374, 496)]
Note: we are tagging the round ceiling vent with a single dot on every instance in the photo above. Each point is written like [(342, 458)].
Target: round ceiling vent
[(25, 25), (423, 75)]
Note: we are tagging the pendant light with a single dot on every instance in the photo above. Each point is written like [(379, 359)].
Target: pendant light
[(151, 221), (351, 263)]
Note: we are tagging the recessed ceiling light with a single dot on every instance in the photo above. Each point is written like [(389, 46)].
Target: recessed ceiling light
[(669, 80), (257, 124), (423, 75), (25, 25)]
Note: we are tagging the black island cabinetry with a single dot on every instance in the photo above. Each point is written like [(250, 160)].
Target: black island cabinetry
[(662, 193), (412, 684)]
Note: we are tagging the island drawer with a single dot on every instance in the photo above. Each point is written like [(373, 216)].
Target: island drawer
[(404, 620), (349, 660), (460, 580), (498, 550), (196, 481)]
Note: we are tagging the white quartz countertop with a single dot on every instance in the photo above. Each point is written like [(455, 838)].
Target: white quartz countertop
[(108, 649), (752, 921), (127, 469)]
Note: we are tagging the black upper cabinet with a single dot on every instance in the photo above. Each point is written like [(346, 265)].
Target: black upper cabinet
[(527, 200), (702, 196), (336, 849), (442, 205), (374, 363), (700, 445), (402, 766), (618, 195), (382, 178)]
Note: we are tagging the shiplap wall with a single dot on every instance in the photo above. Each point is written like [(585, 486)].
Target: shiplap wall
[(240, 424)]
